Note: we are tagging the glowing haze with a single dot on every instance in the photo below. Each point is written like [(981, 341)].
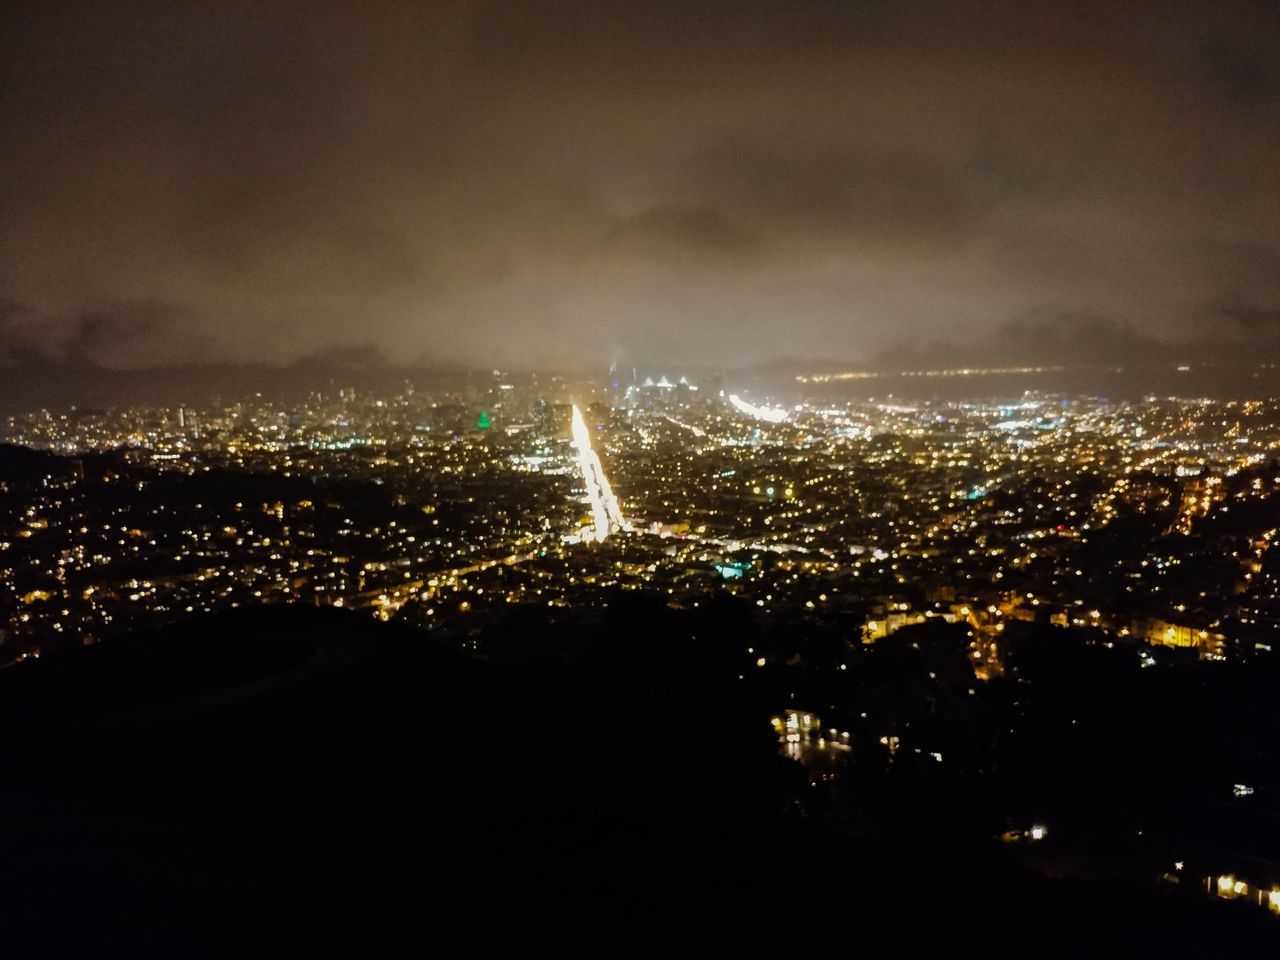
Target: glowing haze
[(562, 183)]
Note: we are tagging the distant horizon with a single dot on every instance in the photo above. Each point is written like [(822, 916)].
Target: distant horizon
[(196, 384)]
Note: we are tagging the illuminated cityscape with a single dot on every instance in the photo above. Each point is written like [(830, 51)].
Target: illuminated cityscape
[(887, 512), (845, 527), (785, 476)]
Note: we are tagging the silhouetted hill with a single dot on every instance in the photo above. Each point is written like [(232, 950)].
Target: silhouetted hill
[(22, 464), (298, 781)]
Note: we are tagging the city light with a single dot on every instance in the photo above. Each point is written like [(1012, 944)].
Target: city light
[(768, 414), (606, 515)]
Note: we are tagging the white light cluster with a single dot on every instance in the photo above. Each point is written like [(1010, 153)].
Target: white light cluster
[(606, 515), (769, 414)]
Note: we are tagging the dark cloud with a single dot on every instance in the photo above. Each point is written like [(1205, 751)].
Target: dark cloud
[(1251, 322), (359, 357), (106, 329), (559, 183), (668, 231), (99, 332), (862, 195), (1070, 340), (1241, 75), (17, 336), (1240, 335), (11, 312)]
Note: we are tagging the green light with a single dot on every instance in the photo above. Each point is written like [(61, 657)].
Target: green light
[(483, 422)]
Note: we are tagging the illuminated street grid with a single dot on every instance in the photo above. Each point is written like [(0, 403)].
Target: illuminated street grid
[(1151, 522)]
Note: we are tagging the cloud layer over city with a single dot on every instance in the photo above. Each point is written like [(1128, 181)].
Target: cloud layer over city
[(570, 183)]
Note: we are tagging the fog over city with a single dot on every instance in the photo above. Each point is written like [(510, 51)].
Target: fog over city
[(570, 184)]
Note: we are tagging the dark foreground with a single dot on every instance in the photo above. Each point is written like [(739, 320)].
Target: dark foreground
[(294, 781)]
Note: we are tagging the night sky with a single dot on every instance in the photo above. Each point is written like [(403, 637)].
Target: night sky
[(568, 184)]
